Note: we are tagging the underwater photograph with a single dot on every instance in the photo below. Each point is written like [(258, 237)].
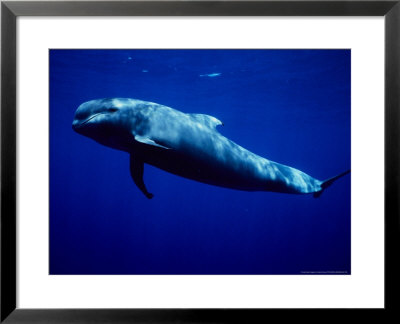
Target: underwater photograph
[(200, 162)]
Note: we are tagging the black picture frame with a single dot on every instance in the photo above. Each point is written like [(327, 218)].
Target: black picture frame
[(10, 10)]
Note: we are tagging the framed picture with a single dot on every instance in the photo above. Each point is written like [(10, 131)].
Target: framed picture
[(195, 167)]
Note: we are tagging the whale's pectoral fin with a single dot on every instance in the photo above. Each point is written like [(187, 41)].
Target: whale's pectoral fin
[(137, 168), (207, 120), (148, 141)]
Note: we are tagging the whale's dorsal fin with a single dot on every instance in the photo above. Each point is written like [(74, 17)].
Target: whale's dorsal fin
[(148, 141), (207, 120)]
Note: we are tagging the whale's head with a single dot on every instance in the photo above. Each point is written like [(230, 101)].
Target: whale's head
[(107, 121)]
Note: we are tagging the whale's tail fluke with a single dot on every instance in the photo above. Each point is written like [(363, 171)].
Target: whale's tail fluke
[(325, 184)]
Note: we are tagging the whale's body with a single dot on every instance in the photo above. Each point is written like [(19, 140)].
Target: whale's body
[(188, 145)]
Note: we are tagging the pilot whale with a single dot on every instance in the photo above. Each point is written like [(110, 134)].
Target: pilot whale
[(188, 145)]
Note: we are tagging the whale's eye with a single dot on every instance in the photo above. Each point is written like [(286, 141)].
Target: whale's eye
[(112, 109)]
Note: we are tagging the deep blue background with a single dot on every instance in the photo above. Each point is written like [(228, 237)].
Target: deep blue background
[(289, 106)]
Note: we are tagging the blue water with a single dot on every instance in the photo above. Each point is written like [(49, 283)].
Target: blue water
[(289, 106)]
